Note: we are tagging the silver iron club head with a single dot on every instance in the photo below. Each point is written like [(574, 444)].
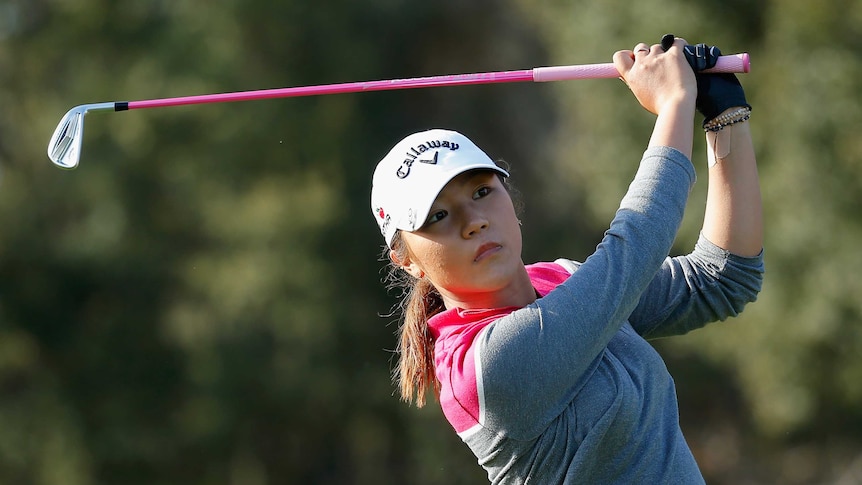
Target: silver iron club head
[(64, 148)]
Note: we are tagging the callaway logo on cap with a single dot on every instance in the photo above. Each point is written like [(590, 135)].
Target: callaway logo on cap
[(410, 176)]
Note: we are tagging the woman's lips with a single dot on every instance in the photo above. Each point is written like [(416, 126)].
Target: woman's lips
[(486, 250)]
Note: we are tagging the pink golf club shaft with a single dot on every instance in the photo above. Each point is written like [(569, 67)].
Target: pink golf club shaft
[(737, 63)]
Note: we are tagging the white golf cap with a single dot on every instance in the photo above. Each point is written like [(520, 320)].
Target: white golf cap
[(413, 173)]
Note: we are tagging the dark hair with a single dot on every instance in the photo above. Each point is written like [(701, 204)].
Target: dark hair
[(420, 301)]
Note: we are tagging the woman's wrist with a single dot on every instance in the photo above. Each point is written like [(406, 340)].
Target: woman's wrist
[(724, 135), (682, 102), (674, 126)]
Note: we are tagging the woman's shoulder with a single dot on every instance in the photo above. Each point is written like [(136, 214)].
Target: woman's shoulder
[(545, 276)]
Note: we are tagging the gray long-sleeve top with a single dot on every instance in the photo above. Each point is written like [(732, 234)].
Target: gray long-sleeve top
[(567, 390)]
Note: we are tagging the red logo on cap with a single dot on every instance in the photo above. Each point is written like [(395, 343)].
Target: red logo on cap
[(380, 212)]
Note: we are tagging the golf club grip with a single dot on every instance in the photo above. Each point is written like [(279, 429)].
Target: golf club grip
[(737, 63)]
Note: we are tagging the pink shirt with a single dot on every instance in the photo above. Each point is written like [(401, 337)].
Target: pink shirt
[(454, 332)]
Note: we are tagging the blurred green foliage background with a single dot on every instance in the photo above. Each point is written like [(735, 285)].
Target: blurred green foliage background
[(200, 302)]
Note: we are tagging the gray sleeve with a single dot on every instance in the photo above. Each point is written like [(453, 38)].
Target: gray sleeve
[(533, 360), (708, 285)]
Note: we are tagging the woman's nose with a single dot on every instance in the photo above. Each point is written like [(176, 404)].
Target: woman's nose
[(474, 223)]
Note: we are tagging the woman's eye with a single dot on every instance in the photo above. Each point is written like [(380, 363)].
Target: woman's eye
[(435, 217), (482, 192)]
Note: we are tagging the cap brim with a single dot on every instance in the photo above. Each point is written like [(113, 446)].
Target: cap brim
[(422, 211)]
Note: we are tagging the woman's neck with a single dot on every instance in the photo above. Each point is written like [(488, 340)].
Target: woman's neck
[(518, 293)]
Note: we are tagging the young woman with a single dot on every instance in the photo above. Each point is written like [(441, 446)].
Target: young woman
[(543, 370)]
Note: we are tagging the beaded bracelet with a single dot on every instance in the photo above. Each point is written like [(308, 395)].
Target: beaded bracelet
[(736, 116)]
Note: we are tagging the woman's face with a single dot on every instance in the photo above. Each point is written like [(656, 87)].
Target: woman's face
[(470, 245)]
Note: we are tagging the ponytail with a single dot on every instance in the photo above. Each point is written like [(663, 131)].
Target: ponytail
[(421, 301)]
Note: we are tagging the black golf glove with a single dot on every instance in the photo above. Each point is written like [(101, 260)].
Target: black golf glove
[(715, 92)]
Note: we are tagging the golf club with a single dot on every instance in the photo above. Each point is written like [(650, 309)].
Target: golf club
[(64, 148)]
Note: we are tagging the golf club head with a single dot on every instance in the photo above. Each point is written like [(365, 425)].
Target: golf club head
[(64, 148)]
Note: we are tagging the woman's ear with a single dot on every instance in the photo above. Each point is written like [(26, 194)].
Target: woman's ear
[(407, 265)]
